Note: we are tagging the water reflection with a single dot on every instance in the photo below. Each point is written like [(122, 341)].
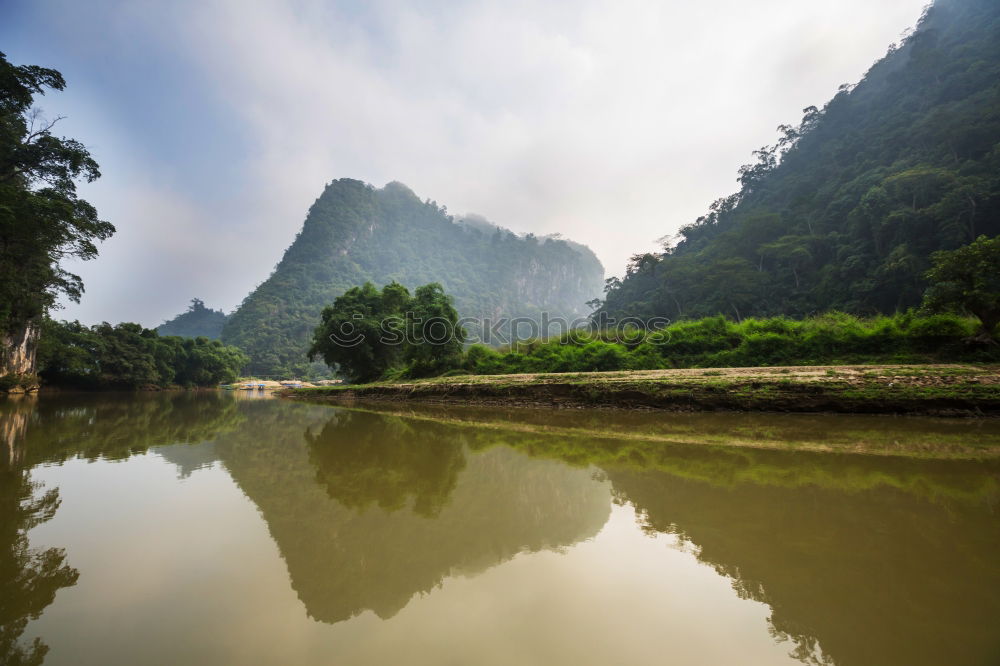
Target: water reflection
[(860, 559), (29, 577), (53, 429), (369, 511), (871, 577), (362, 460), (35, 431)]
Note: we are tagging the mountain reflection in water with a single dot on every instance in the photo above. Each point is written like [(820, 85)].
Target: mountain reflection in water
[(860, 559)]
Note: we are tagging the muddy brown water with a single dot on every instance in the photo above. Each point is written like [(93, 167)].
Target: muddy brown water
[(208, 528)]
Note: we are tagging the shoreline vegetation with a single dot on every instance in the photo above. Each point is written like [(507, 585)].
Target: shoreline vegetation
[(829, 339), (955, 390)]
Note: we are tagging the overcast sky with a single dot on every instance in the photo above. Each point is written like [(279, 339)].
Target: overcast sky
[(614, 122)]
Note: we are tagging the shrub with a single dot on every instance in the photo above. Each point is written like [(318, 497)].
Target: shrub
[(936, 331), (602, 356), (765, 349), (834, 337)]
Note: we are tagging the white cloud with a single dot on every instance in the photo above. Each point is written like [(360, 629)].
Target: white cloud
[(612, 121)]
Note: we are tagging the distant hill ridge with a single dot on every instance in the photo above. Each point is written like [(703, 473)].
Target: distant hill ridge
[(844, 211), (355, 233), (198, 321)]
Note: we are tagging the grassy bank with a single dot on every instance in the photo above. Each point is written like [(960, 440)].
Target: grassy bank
[(943, 390)]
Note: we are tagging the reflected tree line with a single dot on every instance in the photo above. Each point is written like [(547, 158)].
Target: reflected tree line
[(362, 461), (850, 577), (862, 559), (370, 511), (35, 431), (859, 558), (29, 577), (114, 427)]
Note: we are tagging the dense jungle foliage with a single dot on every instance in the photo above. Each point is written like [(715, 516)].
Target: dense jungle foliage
[(42, 220), (355, 233), (128, 356), (369, 333), (197, 322), (967, 280), (715, 342), (845, 210)]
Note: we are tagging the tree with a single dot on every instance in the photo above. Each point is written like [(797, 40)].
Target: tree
[(42, 221), (350, 335), (968, 279), (368, 332), (128, 356), (435, 338)]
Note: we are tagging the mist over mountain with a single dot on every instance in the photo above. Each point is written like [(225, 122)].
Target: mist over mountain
[(355, 233), (844, 211)]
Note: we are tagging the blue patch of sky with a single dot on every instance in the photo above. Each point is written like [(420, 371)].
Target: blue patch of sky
[(148, 90)]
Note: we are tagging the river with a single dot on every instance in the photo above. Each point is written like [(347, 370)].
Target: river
[(213, 528)]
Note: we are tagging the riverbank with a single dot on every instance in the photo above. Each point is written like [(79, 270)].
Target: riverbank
[(938, 390)]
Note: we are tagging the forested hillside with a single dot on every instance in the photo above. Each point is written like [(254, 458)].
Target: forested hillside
[(128, 356), (355, 233), (198, 321), (845, 209)]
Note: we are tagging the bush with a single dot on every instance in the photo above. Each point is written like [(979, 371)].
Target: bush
[(831, 338), (937, 331), (765, 349), (481, 360), (690, 338), (602, 356)]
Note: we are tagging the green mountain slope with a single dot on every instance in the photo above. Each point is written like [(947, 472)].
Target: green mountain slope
[(198, 321), (844, 211), (356, 233)]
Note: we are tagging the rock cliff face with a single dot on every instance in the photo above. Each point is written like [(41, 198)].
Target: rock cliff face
[(356, 233), (17, 356)]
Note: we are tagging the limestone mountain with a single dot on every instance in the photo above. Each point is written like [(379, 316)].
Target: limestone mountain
[(355, 233)]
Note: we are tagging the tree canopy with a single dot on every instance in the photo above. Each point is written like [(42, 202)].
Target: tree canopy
[(42, 220), (968, 279), (128, 356), (368, 332)]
